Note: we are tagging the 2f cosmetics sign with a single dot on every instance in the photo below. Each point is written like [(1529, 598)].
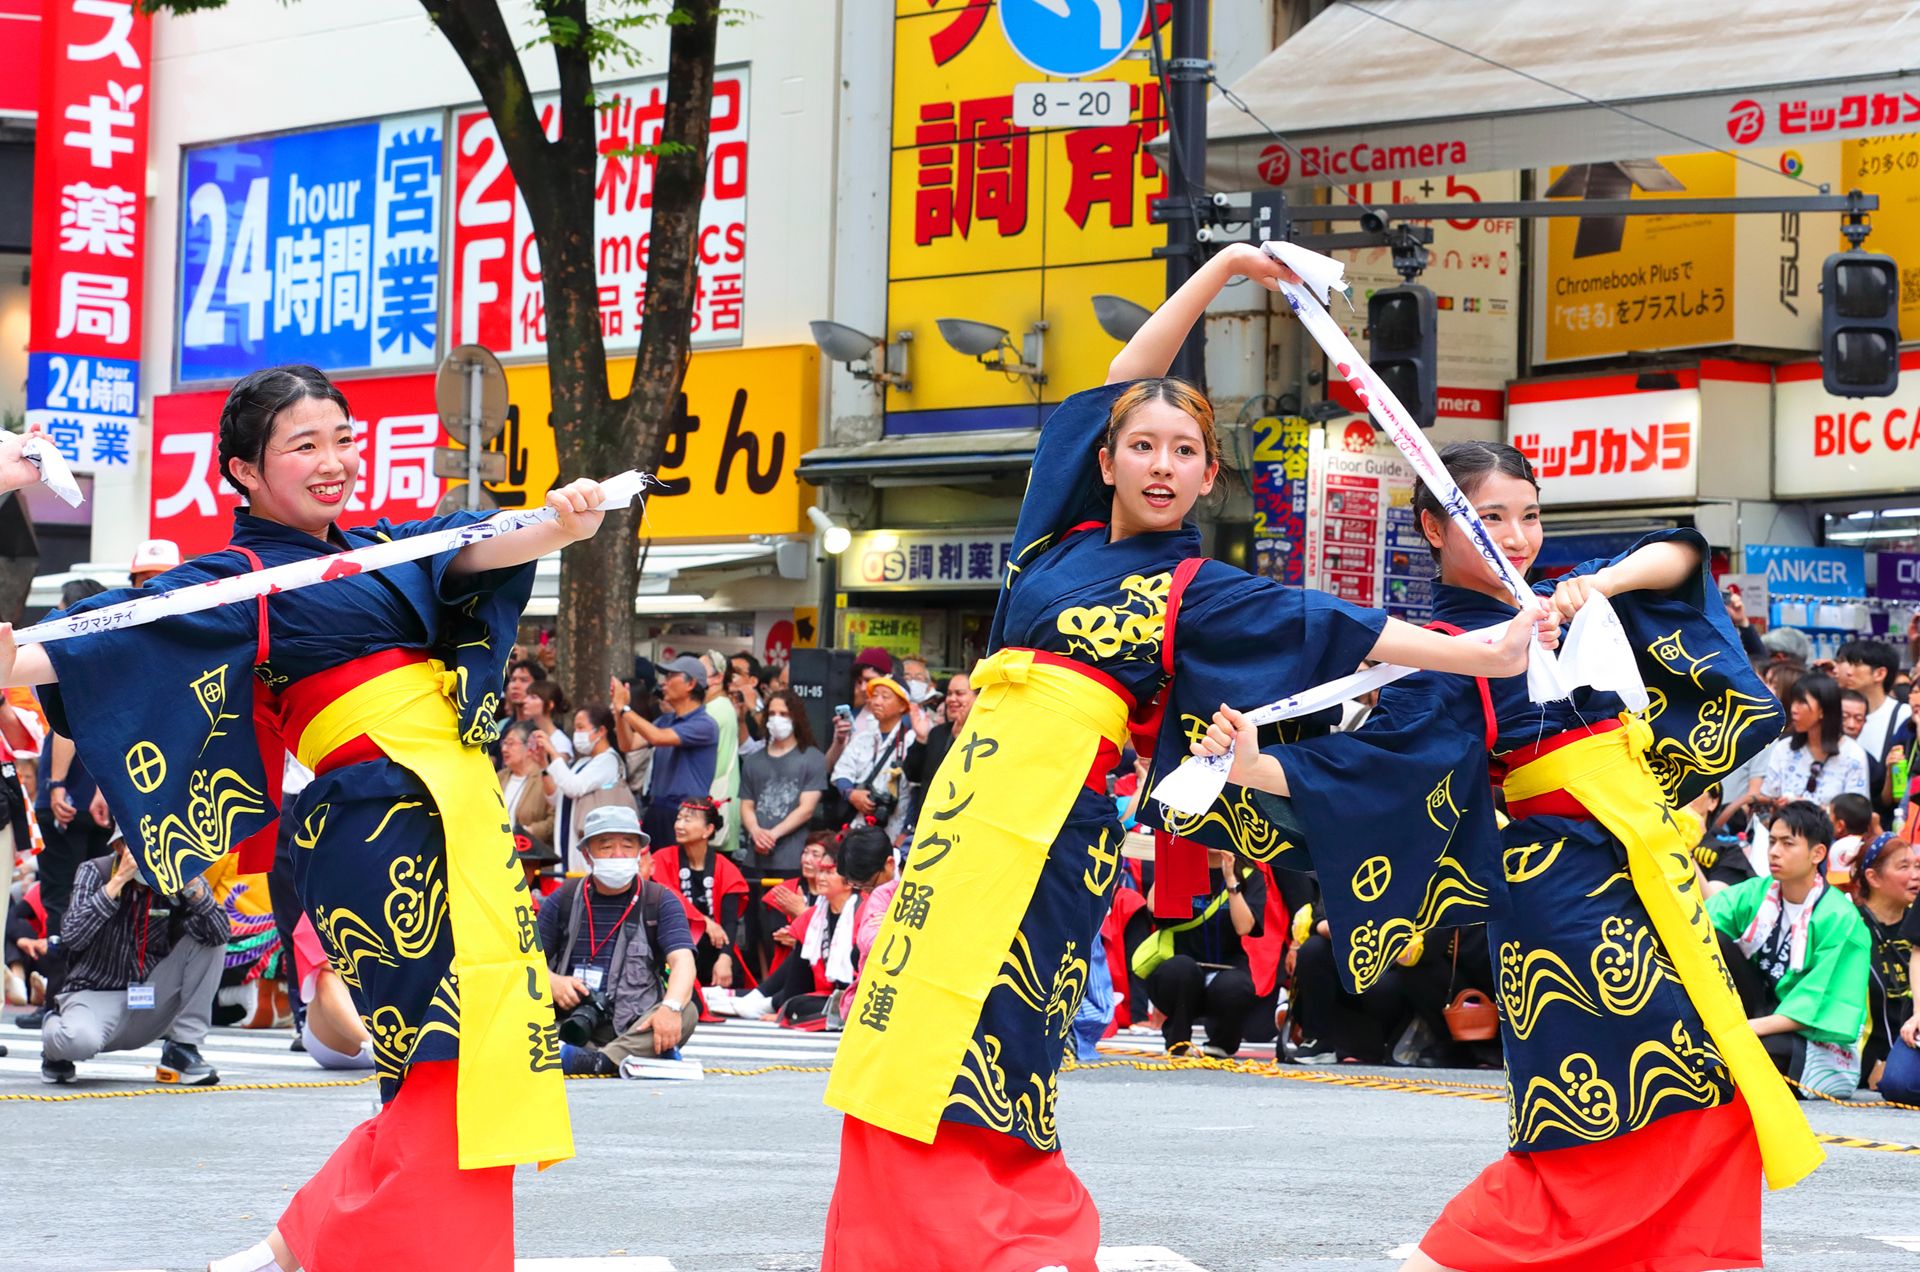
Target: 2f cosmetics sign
[(89, 229)]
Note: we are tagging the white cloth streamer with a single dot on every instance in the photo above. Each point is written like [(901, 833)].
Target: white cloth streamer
[(44, 455), (619, 492)]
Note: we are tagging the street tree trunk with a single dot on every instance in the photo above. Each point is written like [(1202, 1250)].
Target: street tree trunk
[(596, 434)]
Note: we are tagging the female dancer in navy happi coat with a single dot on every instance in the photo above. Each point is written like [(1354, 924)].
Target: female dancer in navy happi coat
[(386, 684), (949, 1067), (1642, 1110)]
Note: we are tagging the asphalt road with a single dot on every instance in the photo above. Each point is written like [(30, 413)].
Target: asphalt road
[(1194, 1171)]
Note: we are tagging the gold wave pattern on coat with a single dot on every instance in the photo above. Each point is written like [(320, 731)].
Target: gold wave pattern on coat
[(982, 1085), (443, 1011), (1372, 949), (177, 848), (416, 906), (312, 826), (1582, 1104), (393, 1041), (1252, 834), (1712, 745), (350, 941), (1529, 984), (1659, 1073), (1628, 965)]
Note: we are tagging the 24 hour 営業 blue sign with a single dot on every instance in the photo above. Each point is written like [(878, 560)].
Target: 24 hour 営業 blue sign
[(320, 247)]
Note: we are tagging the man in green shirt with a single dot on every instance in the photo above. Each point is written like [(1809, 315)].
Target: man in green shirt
[(1798, 953)]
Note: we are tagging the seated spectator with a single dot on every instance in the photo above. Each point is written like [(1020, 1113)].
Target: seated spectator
[(521, 789), (1852, 825), (1888, 883), (1853, 724), (592, 779), (1197, 968), (26, 948), (611, 941), (710, 887), (1798, 952), (140, 967), (1816, 761), (867, 862), (793, 897), (541, 865), (780, 787), (331, 1030), (797, 991)]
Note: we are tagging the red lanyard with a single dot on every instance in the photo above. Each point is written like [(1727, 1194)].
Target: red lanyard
[(594, 947), (140, 963)]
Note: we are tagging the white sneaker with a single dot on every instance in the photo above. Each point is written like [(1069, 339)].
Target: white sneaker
[(255, 1258), (751, 1005), (720, 1002)]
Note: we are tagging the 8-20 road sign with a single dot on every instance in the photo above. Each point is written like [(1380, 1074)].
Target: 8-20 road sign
[(1076, 104)]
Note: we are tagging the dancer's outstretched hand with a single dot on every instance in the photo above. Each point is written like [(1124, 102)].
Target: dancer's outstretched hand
[(576, 508), (1232, 729), (9, 653), (16, 470)]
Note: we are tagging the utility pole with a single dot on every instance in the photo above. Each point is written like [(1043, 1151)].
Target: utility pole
[(1188, 70)]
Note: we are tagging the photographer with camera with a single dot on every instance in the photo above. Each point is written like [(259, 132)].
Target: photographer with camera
[(140, 967), (607, 940), (869, 773)]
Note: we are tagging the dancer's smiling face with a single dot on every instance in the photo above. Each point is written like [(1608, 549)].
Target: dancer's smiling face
[(1158, 465), (1510, 507), (308, 470)]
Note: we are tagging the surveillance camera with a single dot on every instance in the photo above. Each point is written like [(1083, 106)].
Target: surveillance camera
[(1204, 234), (1372, 222)]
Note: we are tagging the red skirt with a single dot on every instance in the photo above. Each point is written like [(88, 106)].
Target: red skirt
[(1679, 1195), (393, 1194), (993, 1204)]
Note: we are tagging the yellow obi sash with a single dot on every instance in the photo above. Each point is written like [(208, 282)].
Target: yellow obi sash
[(507, 1111), (991, 815), (1609, 774)]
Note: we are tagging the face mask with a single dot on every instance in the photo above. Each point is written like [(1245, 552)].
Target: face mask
[(918, 691), (779, 728), (582, 741), (616, 872)]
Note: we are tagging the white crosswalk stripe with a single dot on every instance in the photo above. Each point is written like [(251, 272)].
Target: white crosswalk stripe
[(263, 1055)]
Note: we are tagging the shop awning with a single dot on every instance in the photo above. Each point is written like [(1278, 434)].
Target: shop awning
[(1392, 88), (928, 458)]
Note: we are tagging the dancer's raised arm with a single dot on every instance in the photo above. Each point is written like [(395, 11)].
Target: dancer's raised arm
[(1151, 351), (1653, 567), (576, 516)]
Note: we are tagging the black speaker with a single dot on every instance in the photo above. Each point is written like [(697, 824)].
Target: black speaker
[(823, 679)]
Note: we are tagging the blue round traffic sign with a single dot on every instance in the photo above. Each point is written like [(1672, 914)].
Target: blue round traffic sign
[(1071, 38)]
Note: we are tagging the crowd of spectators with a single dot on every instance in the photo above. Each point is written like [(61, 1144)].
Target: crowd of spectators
[(699, 850)]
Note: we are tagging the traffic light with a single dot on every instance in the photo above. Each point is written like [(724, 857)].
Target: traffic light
[(1405, 350), (1860, 324)]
